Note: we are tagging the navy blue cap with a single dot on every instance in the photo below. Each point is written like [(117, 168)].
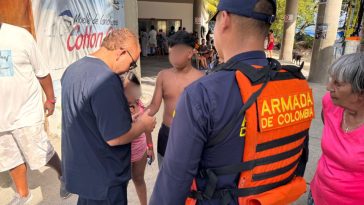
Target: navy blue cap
[(246, 8)]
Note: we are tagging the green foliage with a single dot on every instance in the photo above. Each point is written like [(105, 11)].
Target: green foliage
[(305, 18), (278, 24), (306, 14)]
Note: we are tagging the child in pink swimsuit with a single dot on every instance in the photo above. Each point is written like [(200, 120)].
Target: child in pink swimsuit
[(141, 147)]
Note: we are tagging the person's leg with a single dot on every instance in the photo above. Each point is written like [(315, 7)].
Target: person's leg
[(117, 195), (138, 170), (11, 160), (162, 143), (160, 160), (145, 51), (204, 62), (55, 163), (310, 200), (151, 50), (161, 50), (200, 63), (165, 48), (19, 176), (37, 150)]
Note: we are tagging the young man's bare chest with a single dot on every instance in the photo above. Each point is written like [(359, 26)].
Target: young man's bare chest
[(174, 84)]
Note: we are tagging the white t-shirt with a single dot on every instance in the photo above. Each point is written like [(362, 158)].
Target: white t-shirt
[(153, 37), (20, 92)]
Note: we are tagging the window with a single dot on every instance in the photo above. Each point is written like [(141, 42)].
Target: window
[(162, 25)]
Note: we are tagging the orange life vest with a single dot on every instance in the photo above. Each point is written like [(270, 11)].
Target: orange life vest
[(278, 109)]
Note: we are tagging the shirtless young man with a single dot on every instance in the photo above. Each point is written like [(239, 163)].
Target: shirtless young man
[(171, 83)]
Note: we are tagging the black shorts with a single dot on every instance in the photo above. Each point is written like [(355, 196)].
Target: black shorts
[(162, 139), (117, 195)]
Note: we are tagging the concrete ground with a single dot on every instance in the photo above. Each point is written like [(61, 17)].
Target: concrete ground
[(44, 185)]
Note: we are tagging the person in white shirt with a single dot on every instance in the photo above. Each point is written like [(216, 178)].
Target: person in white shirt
[(144, 42), (152, 40), (23, 141)]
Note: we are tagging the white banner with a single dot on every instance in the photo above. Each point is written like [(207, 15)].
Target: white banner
[(67, 30)]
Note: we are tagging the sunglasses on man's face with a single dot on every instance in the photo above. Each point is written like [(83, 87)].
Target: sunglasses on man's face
[(133, 63)]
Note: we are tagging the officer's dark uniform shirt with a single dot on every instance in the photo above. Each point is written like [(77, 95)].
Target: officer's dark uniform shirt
[(204, 108)]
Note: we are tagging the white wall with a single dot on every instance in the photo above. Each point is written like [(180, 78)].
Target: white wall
[(164, 10), (131, 22)]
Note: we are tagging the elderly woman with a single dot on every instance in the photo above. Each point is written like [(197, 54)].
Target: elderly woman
[(339, 178)]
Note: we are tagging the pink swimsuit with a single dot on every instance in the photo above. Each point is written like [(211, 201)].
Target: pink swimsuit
[(139, 145)]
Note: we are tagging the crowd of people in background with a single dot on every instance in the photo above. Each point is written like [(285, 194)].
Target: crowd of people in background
[(155, 43)]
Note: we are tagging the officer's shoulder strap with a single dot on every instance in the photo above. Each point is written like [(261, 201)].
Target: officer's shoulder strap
[(274, 68), (255, 76), (294, 71)]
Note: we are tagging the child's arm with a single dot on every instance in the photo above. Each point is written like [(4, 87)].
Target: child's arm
[(157, 96), (150, 151)]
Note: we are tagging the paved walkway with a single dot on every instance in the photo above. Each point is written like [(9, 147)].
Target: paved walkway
[(45, 187)]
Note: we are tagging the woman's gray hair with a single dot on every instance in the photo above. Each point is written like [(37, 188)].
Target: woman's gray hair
[(349, 69)]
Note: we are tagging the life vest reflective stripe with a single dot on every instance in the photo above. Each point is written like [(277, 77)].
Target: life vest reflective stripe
[(276, 127)]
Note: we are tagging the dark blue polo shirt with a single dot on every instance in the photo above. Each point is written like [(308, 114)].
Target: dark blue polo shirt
[(94, 111), (203, 110)]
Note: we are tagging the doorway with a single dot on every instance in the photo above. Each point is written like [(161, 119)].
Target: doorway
[(164, 24)]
